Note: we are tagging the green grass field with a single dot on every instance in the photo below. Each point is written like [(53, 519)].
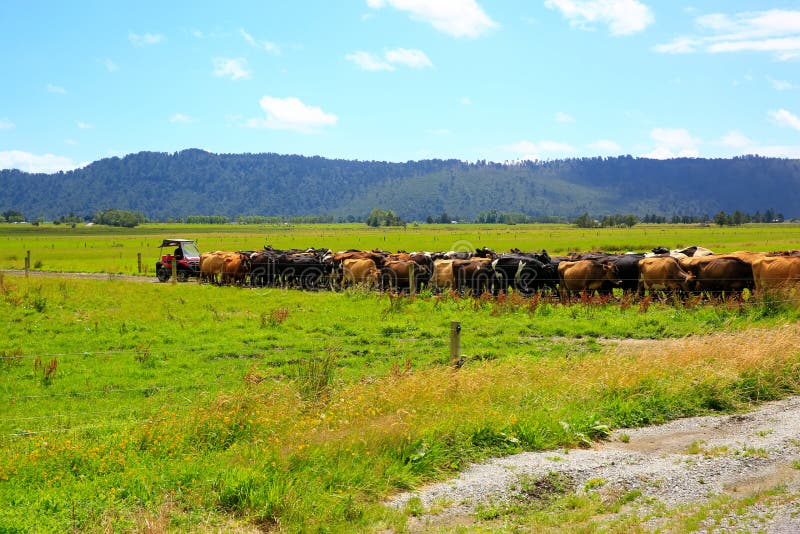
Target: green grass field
[(114, 250), (160, 407)]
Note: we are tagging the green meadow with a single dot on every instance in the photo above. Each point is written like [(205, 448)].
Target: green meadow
[(160, 407), (114, 250)]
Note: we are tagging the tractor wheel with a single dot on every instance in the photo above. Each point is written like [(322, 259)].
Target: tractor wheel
[(183, 276), (163, 274)]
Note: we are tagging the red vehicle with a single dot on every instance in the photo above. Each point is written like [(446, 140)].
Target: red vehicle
[(186, 256)]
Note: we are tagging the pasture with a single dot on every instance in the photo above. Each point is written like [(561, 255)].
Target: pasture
[(114, 250), (194, 407)]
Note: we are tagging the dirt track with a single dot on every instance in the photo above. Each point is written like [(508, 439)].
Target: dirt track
[(680, 464)]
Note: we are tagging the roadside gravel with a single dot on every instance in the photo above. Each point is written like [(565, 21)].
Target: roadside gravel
[(679, 464)]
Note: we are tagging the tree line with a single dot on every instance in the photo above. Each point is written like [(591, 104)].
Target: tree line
[(382, 217)]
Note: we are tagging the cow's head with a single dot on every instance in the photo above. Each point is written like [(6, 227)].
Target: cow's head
[(372, 276), (690, 282), (611, 273)]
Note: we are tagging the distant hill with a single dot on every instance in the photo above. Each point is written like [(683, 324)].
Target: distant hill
[(195, 182)]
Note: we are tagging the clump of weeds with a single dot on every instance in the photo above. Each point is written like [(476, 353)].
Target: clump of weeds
[(145, 357), (274, 318), (11, 358), (47, 370), (315, 376)]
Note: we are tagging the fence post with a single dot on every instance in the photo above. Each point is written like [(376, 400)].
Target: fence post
[(174, 270), (139, 262), (412, 286), (455, 343), (27, 262)]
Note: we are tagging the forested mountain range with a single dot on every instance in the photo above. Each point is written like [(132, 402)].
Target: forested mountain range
[(194, 182)]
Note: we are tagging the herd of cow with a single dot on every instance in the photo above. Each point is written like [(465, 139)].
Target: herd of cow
[(692, 270)]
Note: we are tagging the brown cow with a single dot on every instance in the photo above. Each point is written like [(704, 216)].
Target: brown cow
[(235, 267), (720, 274), (443, 274), (211, 265), (424, 269), (359, 271), (397, 274), (776, 273), (474, 274), (337, 259), (748, 256), (663, 273), (585, 275), (376, 256)]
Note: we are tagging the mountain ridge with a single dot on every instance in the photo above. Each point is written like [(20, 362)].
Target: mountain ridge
[(195, 182)]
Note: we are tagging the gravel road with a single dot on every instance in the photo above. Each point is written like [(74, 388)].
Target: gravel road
[(678, 464)]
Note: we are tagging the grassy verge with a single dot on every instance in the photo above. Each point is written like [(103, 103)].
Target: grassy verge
[(202, 407)]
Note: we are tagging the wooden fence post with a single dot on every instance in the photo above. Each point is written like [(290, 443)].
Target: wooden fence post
[(27, 262), (455, 343), (139, 262), (412, 286), (174, 270)]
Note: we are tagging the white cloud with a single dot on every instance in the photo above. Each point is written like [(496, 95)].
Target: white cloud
[(28, 162), (416, 59), (564, 118), (741, 144), (198, 34), (673, 143), (752, 25), (57, 89), (267, 46), (783, 45), (736, 139), (781, 85), (459, 18), (235, 68), (144, 39), (291, 114), (623, 17), (181, 118), (6, 124), (368, 61), (539, 150), (680, 45), (110, 65), (465, 101), (786, 118), (83, 125), (606, 146), (70, 142), (775, 31)]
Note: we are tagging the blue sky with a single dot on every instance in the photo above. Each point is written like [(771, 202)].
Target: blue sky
[(398, 80)]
